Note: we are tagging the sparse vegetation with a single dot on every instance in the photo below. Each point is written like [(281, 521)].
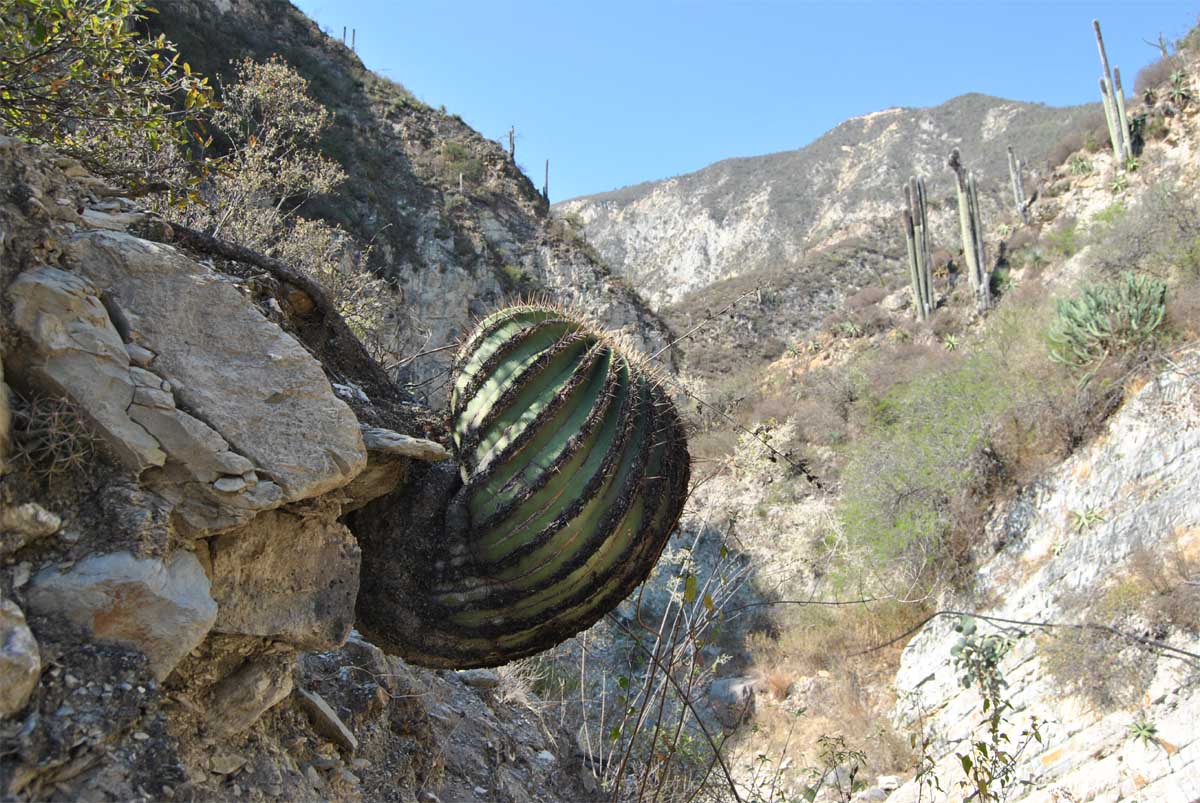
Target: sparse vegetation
[(79, 75)]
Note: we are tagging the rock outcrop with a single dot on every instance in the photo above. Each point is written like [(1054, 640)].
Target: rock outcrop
[(176, 608), (161, 607), (1070, 545)]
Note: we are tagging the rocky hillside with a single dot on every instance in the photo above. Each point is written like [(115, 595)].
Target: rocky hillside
[(761, 219), (452, 223), (178, 585)]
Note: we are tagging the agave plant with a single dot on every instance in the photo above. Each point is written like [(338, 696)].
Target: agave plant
[(1107, 318), (572, 472)]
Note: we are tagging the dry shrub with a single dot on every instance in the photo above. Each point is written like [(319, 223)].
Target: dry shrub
[(902, 363), (1183, 309), (1155, 74), (1101, 667), (821, 688), (866, 297), (1022, 238), (1169, 591), (1088, 131)]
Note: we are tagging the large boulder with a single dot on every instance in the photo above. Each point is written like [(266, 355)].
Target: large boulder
[(159, 606), (227, 365), (287, 577), (77, 352)]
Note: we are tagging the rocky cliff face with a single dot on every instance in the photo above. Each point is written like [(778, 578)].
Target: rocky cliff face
[(178, 587), (1094, 542), (762, 213), (453, 223)]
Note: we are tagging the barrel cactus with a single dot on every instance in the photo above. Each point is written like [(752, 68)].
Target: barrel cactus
[(572, 471)]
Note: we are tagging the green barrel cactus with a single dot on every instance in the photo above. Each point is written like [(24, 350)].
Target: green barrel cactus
[(572, 472)]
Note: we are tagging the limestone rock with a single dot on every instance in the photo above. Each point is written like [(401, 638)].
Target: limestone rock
[(20, 661), (479, 678), (209, 340), (1138, 483), (325, 720), (378, 439), (732, 700), (288, 577), (388, 456), (162, 608), (77, 352), (21, 525), (244, 696)]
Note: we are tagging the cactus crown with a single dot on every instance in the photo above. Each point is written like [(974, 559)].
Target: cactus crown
[(574, 470)]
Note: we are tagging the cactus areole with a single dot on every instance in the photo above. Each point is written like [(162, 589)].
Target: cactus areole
[(572, 472)]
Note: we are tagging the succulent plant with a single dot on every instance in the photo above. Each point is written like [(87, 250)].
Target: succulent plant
[(572, 472)]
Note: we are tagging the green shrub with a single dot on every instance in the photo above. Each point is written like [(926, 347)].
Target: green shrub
[(77, 75), (1107, 318), (908, 479), (1065, 238)]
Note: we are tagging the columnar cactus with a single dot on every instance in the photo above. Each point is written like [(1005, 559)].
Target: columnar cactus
[(1113, 96), (572, 472), (971, 228), (916, 233), (1018, 184)]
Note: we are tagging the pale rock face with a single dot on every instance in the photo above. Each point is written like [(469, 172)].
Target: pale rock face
[(20, 660), (208, 340), (79, 353), (287, 577), (161, 607), (741, 215), (240, 699), (1139, 479)]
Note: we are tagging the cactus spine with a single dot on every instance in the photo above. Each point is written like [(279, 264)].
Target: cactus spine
[(971, 229), (1114, 104), (1018, 184), (916, 233), (573, 469)]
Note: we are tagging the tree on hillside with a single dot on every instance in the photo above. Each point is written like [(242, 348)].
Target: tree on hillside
[(79, 76)]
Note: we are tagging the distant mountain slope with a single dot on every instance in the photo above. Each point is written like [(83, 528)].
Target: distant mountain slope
[(676, 236)]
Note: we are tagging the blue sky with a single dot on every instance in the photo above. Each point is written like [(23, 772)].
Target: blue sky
[(615, 93)]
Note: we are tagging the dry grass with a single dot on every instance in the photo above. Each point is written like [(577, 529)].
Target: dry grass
[(818, 686)]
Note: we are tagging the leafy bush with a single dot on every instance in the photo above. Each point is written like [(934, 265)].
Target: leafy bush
[(1107, 318), (1064, 238), (1160, 235), (904, 487), (77, 75), (269, 123)]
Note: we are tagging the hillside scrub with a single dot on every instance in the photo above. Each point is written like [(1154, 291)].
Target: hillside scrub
[(78, 75)]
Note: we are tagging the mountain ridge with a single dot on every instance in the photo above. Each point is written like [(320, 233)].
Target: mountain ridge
[(675, 236)]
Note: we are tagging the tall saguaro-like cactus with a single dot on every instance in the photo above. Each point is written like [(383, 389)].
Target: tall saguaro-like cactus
[(1113, 96), (971, 228), (916, 234), (1018, 184), (572, 472)]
